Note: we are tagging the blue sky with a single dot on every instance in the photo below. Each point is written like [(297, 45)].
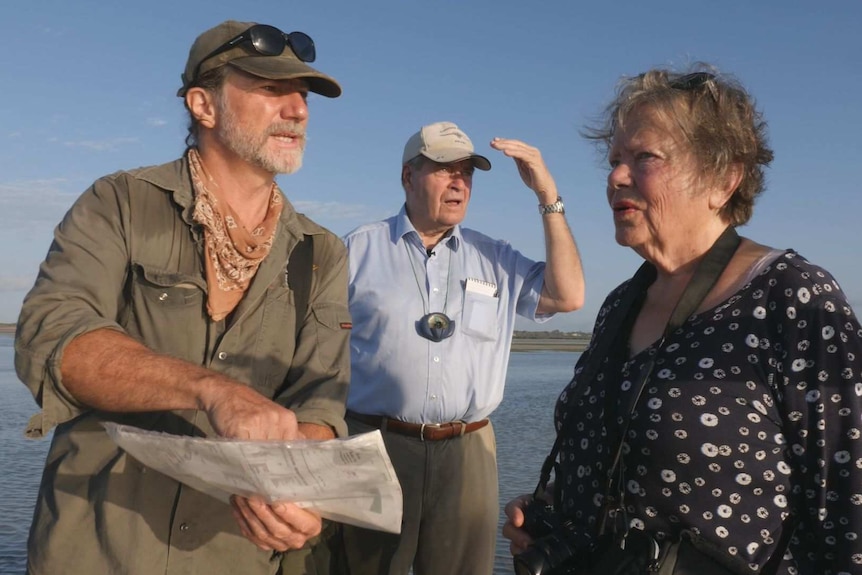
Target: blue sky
[(88, 88)]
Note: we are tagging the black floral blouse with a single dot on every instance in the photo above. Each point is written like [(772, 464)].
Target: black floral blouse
[(750, 422)]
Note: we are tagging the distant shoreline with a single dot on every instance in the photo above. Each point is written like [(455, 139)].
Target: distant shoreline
[(534, 343), (550, 344)]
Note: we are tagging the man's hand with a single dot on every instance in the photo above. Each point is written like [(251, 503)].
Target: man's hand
[(276, 527), (237, 411), (563, 288), (531, 166)]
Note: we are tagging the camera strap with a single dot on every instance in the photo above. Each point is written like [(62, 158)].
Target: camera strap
[(611, 323), (619, 323), (702, 281)]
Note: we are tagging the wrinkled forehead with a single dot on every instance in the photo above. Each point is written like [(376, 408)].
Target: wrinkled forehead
[(648, 121)]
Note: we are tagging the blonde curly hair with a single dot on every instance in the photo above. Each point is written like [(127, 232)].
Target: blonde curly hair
[(715, 116)]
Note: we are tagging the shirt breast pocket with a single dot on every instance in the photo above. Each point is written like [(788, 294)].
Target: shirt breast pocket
[(479, 317), (166, 311)]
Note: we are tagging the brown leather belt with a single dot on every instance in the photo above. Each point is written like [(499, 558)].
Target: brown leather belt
[(421, 431)]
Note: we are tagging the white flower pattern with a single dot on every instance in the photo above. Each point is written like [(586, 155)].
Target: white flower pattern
[(716, 458)]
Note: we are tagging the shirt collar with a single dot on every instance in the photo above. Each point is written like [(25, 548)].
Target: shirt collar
[(404, 229), (175, 177)]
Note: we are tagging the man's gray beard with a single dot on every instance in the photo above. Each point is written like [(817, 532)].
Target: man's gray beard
[(253, 148), (284, 166)]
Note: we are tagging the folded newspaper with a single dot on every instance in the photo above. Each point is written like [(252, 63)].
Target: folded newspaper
[(350, 480)]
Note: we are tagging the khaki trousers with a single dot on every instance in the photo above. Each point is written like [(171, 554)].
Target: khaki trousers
[(451, 508)]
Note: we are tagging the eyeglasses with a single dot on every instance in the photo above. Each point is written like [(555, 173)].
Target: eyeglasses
[(694, 81), (268, 41), (452, 171), (448, 171), (435, 326)]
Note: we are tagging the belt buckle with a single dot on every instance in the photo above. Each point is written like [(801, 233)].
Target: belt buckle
[(424, 425)]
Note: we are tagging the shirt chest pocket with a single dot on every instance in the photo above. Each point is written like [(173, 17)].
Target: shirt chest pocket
[(167, 311), (479, 316)]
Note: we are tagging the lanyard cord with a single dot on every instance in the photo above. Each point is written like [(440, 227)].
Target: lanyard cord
[(425, 309)]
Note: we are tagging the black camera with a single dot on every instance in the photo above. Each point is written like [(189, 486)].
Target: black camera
[(558, 547)]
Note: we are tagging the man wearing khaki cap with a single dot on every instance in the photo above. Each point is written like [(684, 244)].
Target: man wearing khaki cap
[(187, 298), (433, 307)]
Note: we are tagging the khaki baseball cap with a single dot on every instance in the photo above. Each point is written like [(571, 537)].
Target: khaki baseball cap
[(285, 66), (443, 142)]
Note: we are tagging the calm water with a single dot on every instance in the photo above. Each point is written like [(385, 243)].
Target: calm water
[(21, 463), (522, 423)]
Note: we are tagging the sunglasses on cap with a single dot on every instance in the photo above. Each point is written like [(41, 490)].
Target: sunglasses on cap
[(268, 41)]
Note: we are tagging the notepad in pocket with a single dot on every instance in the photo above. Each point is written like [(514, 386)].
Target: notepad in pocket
[(481, 287), (479, 318)]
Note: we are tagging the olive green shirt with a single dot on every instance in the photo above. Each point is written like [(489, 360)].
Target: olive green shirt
[(128, 256)]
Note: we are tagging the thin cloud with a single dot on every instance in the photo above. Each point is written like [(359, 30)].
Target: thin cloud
[(28, 204), (48, 31), (157, 122), (32, 188), (332, 210), (100, 145), (16, 283)]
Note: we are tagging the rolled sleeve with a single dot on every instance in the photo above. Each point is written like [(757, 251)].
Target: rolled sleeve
[(531, 293), (75, 293)]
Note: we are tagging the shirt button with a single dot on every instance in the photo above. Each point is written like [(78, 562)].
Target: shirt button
[(435, 290), (436, 359), (433, 396), (184, 527), (163, 297), (222, 355)]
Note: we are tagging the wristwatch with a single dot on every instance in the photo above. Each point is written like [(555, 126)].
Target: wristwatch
[(555, 208)]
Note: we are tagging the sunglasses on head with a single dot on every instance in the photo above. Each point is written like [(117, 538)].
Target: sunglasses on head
[(695, 80), (268, 41), (691, 81)]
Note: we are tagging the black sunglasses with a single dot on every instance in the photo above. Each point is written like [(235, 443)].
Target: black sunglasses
[(691, 81), (268, 41), (694, 81)]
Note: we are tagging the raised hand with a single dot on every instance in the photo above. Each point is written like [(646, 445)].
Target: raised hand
[(531, 166)]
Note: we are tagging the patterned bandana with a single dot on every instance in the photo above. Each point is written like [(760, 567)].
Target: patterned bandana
[(232, 252)]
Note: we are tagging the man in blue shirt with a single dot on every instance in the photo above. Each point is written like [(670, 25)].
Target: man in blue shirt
[(433, 307)]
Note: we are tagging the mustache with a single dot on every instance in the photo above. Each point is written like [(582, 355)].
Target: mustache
[(287, 127)]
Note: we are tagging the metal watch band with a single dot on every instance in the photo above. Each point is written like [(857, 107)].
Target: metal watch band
[(555, 208)]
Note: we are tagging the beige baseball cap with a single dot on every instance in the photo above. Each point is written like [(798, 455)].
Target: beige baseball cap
[(285, 66), (443, 142)]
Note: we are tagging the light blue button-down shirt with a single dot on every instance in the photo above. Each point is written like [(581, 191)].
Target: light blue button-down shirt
[(394, 282)]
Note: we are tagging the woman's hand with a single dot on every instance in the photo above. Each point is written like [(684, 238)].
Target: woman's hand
[(513, 530)]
